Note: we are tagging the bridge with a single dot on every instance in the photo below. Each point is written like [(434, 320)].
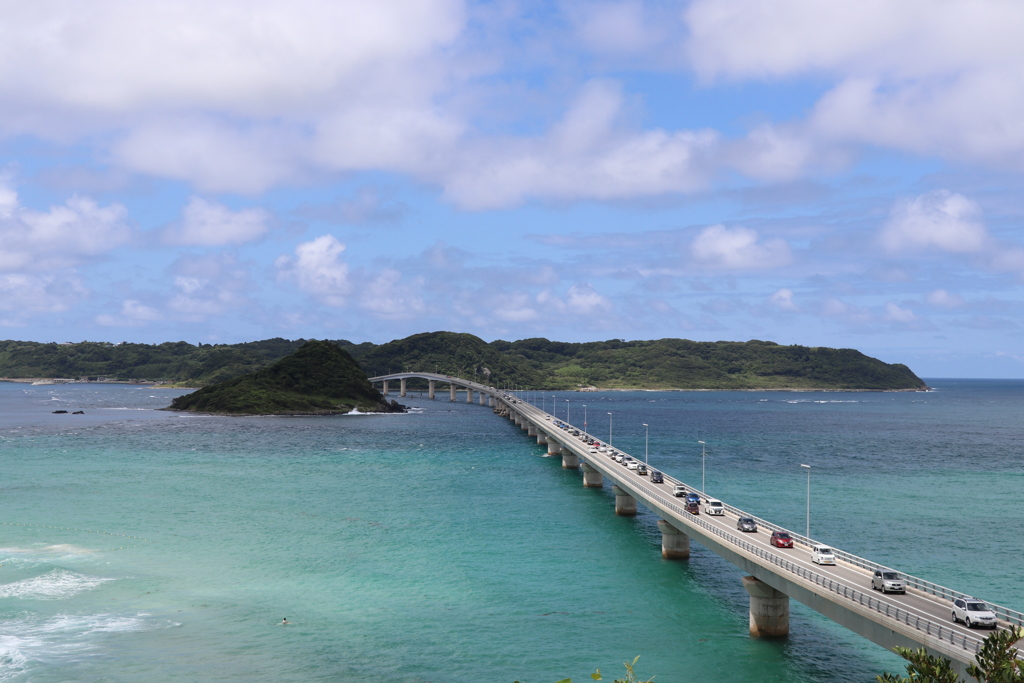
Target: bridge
[(842, 592)]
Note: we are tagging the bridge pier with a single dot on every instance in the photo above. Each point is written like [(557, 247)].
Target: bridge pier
[(431, 383), (592, 478), (769, 609), (542, 438), (625, 504), (531, 430), (451, 388), (483, 397), (385, 392), (469, 395), (401, 391), (675, 545), (554, 448), (570, 461)]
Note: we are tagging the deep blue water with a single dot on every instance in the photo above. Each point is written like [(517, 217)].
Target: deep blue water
[(441, 546)]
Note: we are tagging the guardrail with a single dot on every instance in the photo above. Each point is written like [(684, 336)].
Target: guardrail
[(940, 631)]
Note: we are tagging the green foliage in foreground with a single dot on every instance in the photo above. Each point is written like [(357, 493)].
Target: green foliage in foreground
[(535, 363), (997, 663), (319, 378), (630, 675)]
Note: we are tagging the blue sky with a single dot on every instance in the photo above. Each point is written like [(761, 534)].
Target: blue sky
[(826, 174)]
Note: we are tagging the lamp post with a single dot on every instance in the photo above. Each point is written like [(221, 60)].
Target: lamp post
[(584, 418), (553, 407), (609, 429), (808, 531), (567, 411), (646, 441), (702, 469)]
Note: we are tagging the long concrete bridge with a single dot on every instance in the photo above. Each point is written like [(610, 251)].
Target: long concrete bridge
[(842, 592)]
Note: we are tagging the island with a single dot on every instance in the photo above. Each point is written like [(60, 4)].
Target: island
[(320, 378), (660, 364)]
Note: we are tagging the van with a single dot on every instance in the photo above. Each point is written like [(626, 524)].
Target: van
[(822, 554), (678, 490), (713, 506)]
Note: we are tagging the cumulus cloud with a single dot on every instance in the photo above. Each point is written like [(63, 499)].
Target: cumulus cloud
[(385, 296), (208, 224), (937, 220), (24, 293), (897, 314), (934, 78), (318, 270), (944, 299), (783, 300), (60, 237), (738, 249)]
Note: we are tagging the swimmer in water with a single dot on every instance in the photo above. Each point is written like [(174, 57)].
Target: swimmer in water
[(284, 622)]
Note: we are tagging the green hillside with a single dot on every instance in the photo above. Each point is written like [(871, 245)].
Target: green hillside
[(536, 363), (319, 378)]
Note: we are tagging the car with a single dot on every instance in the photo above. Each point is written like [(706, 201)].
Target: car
[(693, 507), (633, 465), (656, 477), (691, 496), (592, 450), (746, 524), (678, 490), (973, 613), (781, 539), (888, 582), (822, 554), (713, 506), (618, 458)]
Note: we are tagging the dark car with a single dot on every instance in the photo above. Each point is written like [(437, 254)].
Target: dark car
[(692, 506), (781, 539), (746, 524), (642, 469), (656, 477), (692, 498)]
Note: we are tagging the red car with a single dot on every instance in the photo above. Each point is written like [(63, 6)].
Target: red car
[(781, 539), (693, 507)]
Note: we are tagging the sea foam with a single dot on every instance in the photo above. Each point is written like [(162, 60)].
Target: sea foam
[(58, 584)]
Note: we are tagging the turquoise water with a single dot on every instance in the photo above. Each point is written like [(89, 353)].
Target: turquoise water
[(441, 546)]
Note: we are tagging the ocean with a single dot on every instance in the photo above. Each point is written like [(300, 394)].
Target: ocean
[(442, 546)]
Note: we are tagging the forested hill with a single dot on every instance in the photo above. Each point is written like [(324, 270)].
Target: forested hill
[(537, 363)]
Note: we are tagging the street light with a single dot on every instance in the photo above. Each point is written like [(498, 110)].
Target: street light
[(584, 418), (646, 441), (808, 532), (609, 429), (701, 465), (553, 408), (567, 412)]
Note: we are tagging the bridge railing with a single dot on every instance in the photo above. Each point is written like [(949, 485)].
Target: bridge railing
[(1004, 613), (941, 631)]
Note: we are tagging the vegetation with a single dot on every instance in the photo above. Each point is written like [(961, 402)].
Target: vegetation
[(997, 663), (319, 378), (535, 363)]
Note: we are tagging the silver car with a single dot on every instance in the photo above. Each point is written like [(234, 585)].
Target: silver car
[(888, 582), (973, 613)]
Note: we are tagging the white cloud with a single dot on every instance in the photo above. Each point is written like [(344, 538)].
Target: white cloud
[(386, 297), (583, 299), (932, 78), (940, 220), (60, 237), (738, 249), (783, 300), (896, 314), (318, 270), (944, 299), (208, 224), (27, 294)]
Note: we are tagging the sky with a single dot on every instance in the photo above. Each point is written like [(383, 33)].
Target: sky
[(843, 174)]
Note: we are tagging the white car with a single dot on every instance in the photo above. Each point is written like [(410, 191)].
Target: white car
[(592, 450), (633, 465), (713, 506), (603, 449), (618, 458), (973, 613), (822, 554), (678, 490)]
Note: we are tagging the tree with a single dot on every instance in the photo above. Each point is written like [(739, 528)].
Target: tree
[(997, 662)]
